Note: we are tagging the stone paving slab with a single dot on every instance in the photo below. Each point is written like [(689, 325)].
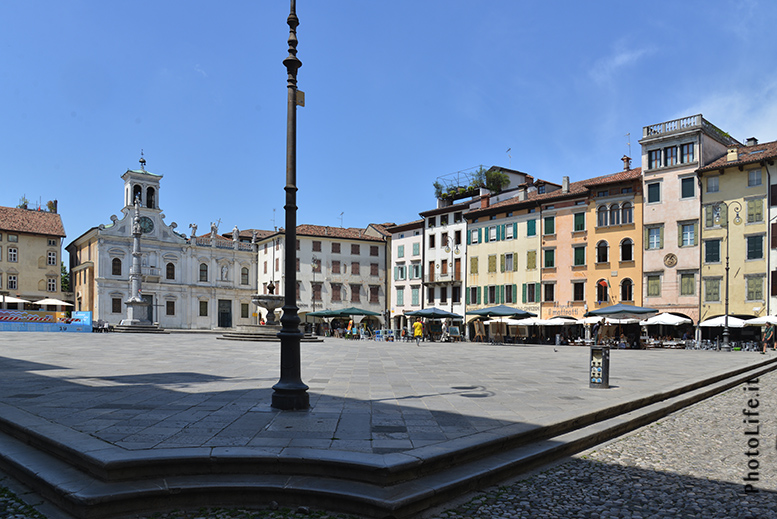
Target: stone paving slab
[(179, 391)]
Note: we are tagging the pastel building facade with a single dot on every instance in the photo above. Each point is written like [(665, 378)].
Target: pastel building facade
[(407, 270), (736, 210), (672, 151)]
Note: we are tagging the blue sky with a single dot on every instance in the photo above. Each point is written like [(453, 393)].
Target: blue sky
[(398, 93)]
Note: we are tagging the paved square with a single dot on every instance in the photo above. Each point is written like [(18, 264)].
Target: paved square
[(187, 390)]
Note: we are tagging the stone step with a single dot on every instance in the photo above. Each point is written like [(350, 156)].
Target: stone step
[(89, 478)]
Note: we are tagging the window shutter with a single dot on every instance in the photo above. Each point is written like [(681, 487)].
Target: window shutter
[(523, 292), (696, 234), (708, 216), (469, 237), (496, 295), (661, 237), (515, 293), (759, 210), (679, 235), (774, 235), (503, 231), (486, 233), (723, 215), (478, 291), (537, 297), (750, 211), (502, 293), (396, 273), (480, 235), (646, 237), (466, 297), (515, 230), (502, 263), (515, 262)]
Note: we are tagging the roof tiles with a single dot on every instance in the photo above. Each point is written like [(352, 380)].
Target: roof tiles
[(14, 219)]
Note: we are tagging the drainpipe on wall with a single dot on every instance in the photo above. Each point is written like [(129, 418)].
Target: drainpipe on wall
[(768, 233)]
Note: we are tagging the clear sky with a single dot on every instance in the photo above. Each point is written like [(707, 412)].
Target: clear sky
[(398, 93)]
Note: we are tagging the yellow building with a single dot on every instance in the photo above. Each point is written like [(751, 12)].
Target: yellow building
[(734, 231), (30, 254)]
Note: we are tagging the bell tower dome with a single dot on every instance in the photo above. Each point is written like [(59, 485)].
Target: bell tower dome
[(142, 184)]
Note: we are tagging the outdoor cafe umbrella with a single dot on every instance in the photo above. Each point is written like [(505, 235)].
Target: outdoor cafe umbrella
[(51, 301), (765, 320), (719, 322), (502, 311), (665, 319), (12, 299), (434, 313), (620, 311), (352, 310)]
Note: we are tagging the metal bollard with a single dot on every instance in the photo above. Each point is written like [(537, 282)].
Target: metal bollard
[(599, 373)]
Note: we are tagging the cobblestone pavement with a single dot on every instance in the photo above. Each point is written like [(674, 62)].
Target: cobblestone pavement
[(688, 465)]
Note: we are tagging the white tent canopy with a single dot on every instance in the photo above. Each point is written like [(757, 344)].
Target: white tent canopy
[(666, 319), (719, 322)]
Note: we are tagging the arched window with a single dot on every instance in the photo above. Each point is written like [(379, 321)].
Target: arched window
[(627, 213), (170, 271), (602, 252), (116, 267), (627, 290), (602, 291), (244, 276), (615, 214), (137, 192), (150, 198), (601, 220), (203, 272), (627, 250)]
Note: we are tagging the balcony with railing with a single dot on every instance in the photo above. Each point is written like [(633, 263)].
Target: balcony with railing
[(443, 279), (684, 124)]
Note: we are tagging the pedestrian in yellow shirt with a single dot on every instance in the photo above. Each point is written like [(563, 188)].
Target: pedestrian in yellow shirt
[(418, 331)]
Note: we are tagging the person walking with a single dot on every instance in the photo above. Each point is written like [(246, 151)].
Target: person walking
[(768, 337), (418, 331)]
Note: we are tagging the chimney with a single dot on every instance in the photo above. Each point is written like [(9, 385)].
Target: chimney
[(326, 231), (484, 200), (522, 192), (626, 162), (732, 154), (565, 184), (752, 141)]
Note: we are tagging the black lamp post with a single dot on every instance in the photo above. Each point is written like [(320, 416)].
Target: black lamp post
[(737, 219), (290, 392)]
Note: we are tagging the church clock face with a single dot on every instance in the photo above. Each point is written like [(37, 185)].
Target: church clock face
[(146, 224)]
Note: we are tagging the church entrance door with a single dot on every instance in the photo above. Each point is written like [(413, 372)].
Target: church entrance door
[(225, 313), (149, 298)]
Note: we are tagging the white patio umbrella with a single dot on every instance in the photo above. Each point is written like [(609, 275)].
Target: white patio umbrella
[(526, 321), (52, 301), (762, 321), (666, 319), (12, 299), (719, 322), (607, 320)]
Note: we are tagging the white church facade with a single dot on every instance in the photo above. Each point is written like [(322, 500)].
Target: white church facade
[(201, 282)]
